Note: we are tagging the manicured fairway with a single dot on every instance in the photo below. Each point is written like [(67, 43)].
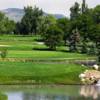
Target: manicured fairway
[(45, 54), (40, 73), (46, 67)]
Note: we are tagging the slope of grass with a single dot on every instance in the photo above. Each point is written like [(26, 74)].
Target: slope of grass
[(28, 47), (39, 73)]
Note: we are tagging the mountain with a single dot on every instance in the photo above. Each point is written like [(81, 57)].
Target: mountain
[(16, 14), (58, 16)]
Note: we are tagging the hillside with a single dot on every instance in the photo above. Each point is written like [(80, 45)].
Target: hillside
[(16, 14)]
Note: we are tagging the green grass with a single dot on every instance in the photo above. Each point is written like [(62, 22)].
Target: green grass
[(40, 73), (45, 54), (27, 47), (18, 38)]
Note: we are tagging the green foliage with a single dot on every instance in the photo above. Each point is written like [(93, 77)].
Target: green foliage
[(75, 11), (83, 23), (53, 37), (95, 33), (45, 23), (96, 14), (84, 7), (84, 48), (92, 50), (3, 53), (74, 41), (29, 22), (6, 26), (64, 25)]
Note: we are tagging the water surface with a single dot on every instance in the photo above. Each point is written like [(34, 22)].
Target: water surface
[(31, 92)]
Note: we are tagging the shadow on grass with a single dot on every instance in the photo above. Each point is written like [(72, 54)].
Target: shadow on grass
[(43, 49), (47, 49)]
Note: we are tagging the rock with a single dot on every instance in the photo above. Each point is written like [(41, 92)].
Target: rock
[(81, 75), (95, 67), (90, 76), (92, 73)]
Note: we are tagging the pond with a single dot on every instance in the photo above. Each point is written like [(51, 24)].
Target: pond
[(31, 92)]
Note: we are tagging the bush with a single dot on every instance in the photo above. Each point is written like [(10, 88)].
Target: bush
[(92, 50), (84, 48), (3, 53)]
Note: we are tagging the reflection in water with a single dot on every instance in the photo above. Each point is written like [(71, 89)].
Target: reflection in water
[(90, 91), (32, 96), (50, 93), (15, 96)]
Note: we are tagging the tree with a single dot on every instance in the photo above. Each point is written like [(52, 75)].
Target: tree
[(84, 23), (74, 33), (64, 24), (10, 26), (6, 26), (2, 20), (53, 37), (95, 37), (84, 7), (75, 11), (74, 40), (45, 23), (29, 22), (96, 14)]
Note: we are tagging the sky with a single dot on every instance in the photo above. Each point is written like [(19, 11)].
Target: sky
[(49, 6)]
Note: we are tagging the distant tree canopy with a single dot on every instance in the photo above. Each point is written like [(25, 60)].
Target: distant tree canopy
[(6, 26), (30, 21), (45, 23)]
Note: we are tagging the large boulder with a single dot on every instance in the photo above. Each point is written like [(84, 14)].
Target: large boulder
[(90, 76)]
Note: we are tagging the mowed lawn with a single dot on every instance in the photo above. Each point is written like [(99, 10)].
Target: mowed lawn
[(45, 54), (43, 71), (11, 72), (29, 47)]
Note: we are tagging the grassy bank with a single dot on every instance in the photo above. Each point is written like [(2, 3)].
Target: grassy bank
[(30, 62), (42, 73)]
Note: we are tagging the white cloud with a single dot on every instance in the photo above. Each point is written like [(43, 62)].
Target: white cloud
[(51, 6)]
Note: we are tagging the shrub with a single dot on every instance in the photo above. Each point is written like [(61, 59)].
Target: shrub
[(3, 53)]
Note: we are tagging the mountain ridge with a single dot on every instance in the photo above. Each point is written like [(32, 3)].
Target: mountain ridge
[(16, 14)]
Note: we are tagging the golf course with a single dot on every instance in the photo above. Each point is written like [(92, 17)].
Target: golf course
[(28, 61), (41, 48)]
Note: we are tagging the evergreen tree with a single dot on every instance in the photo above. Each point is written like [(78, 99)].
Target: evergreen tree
[(74, 40), (75, 11)]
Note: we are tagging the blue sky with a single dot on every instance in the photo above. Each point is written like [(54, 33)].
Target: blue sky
[(50, 6)]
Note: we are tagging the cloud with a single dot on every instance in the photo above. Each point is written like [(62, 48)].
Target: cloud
[(50, 6)]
